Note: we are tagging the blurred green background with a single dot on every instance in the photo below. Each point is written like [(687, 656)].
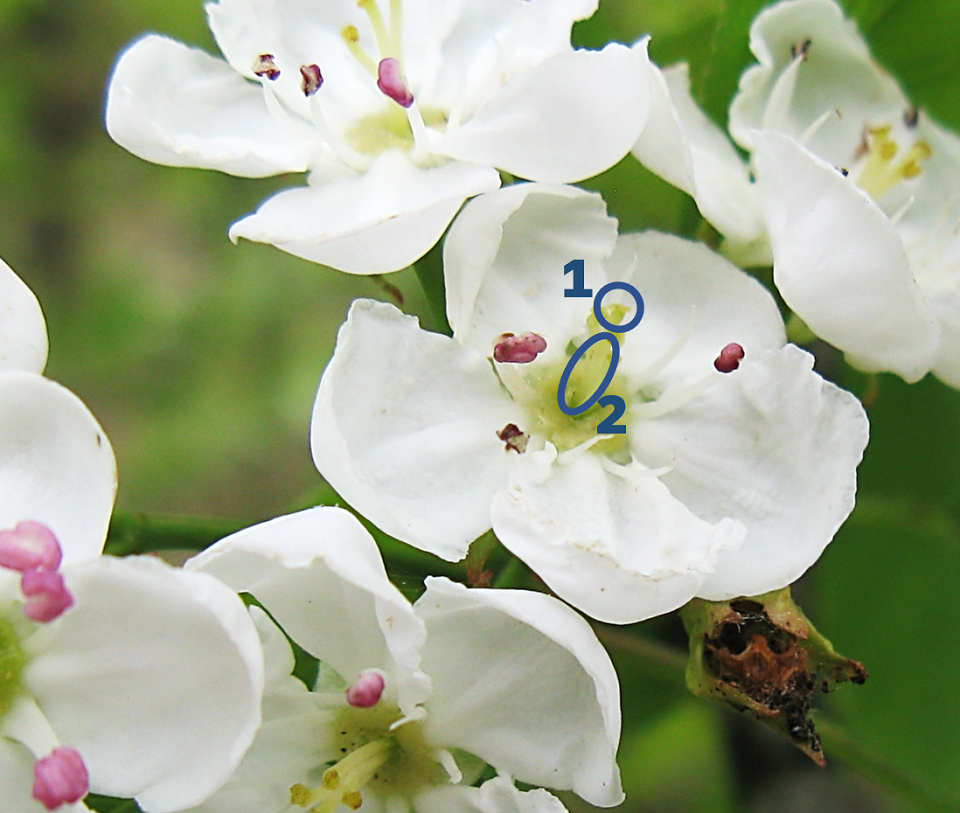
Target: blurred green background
[(201, 360)]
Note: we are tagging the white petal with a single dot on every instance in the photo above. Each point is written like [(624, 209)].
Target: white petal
[(610, 540), (521, 681), (57, 465), (154, 676), (684, 147), (319, 574), (569, 118), (405, 429), (290, 742), (16, 782), (692, 297), (771, 445), (181, 107), (839, 263), (370, 223), (498, 795), (838, 77), (504, 257), (23, 333)]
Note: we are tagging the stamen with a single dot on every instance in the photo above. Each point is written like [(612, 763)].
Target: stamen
[(379, 29), (264, 65), (514, 437), (366, 692), (879, 173), (391, 83), (801, 49), (419, 132), (396, 26), (47, 595), (351, 38), (311, 79), (911, 117), (29, 546), (344, 152), (729, 358), (520, 349), (60, 778), (778, 106), (673, 398)]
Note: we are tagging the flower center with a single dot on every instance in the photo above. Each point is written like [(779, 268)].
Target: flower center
[(376, 757), (885, 165), (12, 661), (535, 387)]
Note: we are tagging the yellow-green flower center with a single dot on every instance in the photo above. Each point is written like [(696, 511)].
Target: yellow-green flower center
[(12, 661), (389, 129), (374, 758), (542, 379), (885, 165)]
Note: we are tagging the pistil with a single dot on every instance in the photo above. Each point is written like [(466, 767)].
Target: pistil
[(342, 783)]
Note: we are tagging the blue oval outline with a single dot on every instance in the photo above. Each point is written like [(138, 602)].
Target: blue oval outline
[(621, 286), (599, 391)]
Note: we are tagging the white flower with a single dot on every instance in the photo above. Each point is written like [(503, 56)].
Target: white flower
[(125, 677), (722, 485), (411, 702), (685, 148), (399, 115)]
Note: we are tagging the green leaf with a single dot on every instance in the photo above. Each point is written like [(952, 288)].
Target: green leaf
[(887, 590)]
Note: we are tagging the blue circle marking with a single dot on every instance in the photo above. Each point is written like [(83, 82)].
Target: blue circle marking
[(618, 286), (614, 361)]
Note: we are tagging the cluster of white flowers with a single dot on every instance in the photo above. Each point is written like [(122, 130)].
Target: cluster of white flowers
[(733, 468)]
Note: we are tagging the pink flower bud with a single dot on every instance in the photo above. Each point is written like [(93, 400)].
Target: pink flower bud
[(29, 546), (520, 349), (390, 81), (60, 778), (47, 595), (729, 358), (366, 691)]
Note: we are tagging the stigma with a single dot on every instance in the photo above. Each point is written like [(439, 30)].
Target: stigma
[(885, 165)]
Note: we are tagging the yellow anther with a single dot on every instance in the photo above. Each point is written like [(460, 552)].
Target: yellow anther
[(880, 173), (352, 800), (331, 779), (351, 38), (300, 795)]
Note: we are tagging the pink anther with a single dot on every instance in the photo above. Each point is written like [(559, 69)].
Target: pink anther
[(520, 349), (60, 778), (47, 595), (366, 691), (729, 358), (390, 81), (29, 546)]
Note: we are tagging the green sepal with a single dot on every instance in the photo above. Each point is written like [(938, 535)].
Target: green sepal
[(761, 655)]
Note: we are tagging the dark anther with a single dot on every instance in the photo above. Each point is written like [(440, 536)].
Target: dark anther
[(800, 49), (911, 116)]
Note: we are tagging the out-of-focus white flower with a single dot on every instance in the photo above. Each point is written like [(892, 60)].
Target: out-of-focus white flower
[(857, 189), (411, 702), (723, 484), (125, 677), (398, 114)]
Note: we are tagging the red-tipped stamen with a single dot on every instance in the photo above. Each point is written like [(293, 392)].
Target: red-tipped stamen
[(311, 79), (514, 438), (29, 546), (366, 692), (47, 595), (60, 778), (390, 81), (729, 358), (520, 349), (264, 65)]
